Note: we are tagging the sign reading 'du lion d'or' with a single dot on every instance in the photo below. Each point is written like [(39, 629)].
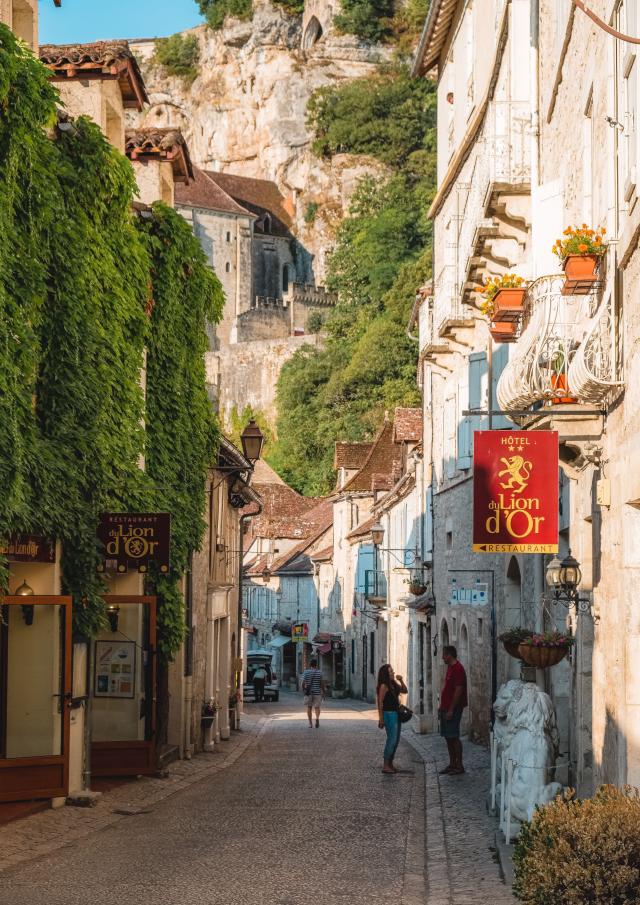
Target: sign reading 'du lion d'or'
[(134, 540), (29, 548), (515, 492)]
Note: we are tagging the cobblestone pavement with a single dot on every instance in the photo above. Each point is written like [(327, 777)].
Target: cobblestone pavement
[(286, 815), (460, 866)]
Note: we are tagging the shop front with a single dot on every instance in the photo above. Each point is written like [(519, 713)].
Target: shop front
[(123, 712), (329, 648), (35, 695)]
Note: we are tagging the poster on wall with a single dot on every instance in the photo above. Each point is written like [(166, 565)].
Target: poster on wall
[(300, 631), (115, 669), (515, 492)]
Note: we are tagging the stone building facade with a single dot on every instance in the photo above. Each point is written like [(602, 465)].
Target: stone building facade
[(244, 226), (523, 155)]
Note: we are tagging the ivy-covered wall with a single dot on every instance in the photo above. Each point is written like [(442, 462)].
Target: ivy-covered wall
[(78, 275)]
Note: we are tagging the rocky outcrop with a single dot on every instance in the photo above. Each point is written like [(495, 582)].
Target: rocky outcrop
[(246, 113)]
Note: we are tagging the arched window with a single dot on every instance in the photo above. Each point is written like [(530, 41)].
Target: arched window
[(285, 278), (227, 267), (266, 223), (228, 237)]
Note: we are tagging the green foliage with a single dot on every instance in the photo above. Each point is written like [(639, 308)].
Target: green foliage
[(182, 432), (382, 255), (293, 7), (216, 11), (579, 852), (310, 212), (239, 420), (315, 322), (368, 19), (389, 116), (408, 23), (178, 55), (75, 275)]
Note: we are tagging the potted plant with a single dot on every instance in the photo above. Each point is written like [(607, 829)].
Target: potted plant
[(503, 332), (512, 638), (559, 380), (504, 298), (580, 252), (416, 586), (209, 710), (543, 650)]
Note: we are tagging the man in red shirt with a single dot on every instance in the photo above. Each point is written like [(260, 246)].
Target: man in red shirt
[(453, 700)]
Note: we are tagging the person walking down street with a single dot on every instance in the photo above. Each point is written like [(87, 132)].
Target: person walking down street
[(259, 679), (389, 689), (313, 686), (453, 700)]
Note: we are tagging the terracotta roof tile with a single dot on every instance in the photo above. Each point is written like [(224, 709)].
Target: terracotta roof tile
[(259, 196), (160, 144), (98, 59), (363, 528), (323, 555), (203, 192), (351, 455), (383, 456), (407, 425)]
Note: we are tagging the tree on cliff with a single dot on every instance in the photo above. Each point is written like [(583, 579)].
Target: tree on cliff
[(382, 255)]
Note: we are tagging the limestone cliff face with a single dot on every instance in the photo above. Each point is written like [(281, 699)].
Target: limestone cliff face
[(246, 112)]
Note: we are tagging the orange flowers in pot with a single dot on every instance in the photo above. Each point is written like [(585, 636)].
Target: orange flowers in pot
[(580, 251)]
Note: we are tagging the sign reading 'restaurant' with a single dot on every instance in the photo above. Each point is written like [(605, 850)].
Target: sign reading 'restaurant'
[(134, 540), (515, 492)]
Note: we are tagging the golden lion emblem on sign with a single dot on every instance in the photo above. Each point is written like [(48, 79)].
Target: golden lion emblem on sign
[(519, 473)]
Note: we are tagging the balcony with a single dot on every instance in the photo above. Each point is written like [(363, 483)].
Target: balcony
[(496, 214), (375, 587), (564, 363), (450, 318)]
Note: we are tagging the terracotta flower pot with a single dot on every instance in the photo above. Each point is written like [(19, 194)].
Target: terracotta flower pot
[(508, 305), (542, 657), (504, 332), (581, 273), (559, 382), (513, 649)]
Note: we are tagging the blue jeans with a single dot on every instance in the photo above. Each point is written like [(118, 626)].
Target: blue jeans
[(393, 726)]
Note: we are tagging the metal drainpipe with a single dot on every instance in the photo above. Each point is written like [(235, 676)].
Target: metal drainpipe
[(188, 678), (87, 719)]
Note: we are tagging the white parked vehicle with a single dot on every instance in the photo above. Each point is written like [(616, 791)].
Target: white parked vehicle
[(255, 658)]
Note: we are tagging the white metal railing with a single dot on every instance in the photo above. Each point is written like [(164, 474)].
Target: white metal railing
[(508, 142), (559, 328), (593, 370)]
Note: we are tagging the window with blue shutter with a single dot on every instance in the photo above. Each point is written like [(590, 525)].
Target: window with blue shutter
[(499, 363)]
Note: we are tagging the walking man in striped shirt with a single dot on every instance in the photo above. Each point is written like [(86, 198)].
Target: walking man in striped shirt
[(314, 688)]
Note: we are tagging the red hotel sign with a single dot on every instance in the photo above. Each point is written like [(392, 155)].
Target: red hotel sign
[(515, 492)]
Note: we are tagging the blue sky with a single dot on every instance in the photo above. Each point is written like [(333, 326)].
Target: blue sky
[(93, 20)]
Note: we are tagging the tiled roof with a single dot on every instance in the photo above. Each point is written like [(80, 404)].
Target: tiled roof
[(407, 425), (323, 517), (351, 455), (101, 58), (363, 528), (205, 193), (323, 555), (259, 196), (160, 144), (384, 458), (263, 473)]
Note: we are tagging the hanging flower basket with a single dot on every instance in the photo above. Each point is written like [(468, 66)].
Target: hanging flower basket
[(581, 272), (511, 640), (416, 588), (508, 305), (545, 650), (504, 332)]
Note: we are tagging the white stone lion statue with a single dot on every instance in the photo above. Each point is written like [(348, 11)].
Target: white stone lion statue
[(526, 734)]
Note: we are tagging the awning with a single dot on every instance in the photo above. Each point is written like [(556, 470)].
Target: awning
[(325, 648), (280, 641)]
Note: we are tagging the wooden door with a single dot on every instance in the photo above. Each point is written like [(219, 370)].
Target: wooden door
[(35, 692)]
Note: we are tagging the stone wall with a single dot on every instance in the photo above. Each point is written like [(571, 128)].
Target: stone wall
[(250, 372)]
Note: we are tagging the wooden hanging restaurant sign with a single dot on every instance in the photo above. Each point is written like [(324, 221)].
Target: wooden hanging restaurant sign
[(135, 540), (515, 492), (29, 548)]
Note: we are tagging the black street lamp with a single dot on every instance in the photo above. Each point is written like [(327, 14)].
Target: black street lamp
[(252, 441), (563, 577)]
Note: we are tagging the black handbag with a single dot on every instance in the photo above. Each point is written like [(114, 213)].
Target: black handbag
[(404, 713)]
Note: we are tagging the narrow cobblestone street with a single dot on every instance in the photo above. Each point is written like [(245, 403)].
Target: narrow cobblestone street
[(290, 816)]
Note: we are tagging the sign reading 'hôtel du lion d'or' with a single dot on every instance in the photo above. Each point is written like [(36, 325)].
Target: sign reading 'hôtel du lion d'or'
[(515, 492), (134, 540)]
